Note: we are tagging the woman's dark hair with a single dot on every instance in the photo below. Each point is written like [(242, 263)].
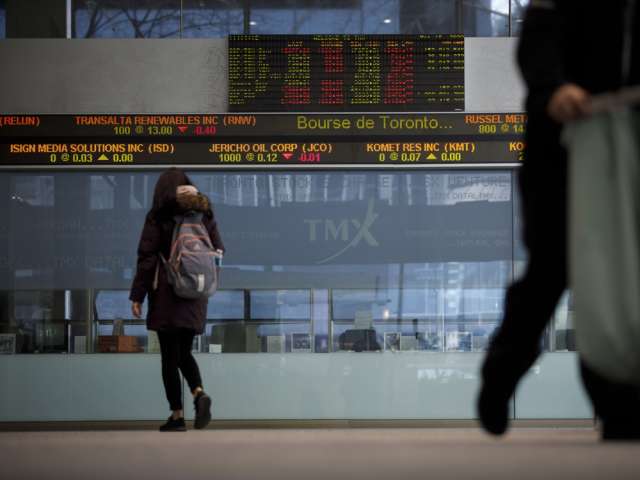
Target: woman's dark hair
[(164, 195)]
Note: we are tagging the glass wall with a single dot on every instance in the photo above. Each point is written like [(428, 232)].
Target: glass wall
[(214, 18), (518, 8), (219, 18), (3, 19), (126, 19), (325, 261)]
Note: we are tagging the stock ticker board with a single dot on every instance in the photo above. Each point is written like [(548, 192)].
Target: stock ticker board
[(261, 141), (361, 73)]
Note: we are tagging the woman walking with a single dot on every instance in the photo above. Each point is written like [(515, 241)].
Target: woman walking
[(176, 320)]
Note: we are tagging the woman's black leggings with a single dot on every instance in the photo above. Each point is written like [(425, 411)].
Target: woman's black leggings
[(175, 349)]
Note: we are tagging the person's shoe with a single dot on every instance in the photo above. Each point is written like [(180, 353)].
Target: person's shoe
[(620, 429), (173, 425), (501, 371), (493, 409), (202, 407)]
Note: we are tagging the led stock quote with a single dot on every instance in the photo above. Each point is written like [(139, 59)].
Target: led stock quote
[(260, 140), (363, 73)]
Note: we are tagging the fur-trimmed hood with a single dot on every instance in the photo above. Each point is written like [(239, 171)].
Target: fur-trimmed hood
[(195, 202)]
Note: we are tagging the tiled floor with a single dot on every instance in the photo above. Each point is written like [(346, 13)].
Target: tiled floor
[(453, 453)]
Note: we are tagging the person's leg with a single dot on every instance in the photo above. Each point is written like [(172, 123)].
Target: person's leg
[(529, 304), (190, 370), (188, 365), (616, 404), (170, 355), (532, 299)]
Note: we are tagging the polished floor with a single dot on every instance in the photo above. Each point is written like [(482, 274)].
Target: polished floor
[(424, 453)]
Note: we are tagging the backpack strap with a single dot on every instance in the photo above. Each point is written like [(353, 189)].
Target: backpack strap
[(179, 219)]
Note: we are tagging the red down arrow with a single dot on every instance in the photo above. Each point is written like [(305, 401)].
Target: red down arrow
[(182, 128), (287, 155)]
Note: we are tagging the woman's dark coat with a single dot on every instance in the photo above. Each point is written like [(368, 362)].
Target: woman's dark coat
[(166, 310)]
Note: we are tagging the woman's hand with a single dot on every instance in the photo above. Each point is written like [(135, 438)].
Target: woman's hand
[(569, 102), (136, 309)]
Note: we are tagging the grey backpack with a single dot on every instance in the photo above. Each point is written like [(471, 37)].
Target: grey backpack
[(191, 268)]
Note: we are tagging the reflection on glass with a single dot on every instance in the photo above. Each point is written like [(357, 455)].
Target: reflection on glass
[(226, 305), (324, 17), (282, 320), (32, 190), (212, 18), (102, 192), (3, 19), (486, 18), (431, 318), (473, 18), (321, 261), (320, 316), (126, 19), (113, 318), (225, 330), (219, 18), (561, 332), (518, 8), (37, 327), (280, 305), (140, 192)]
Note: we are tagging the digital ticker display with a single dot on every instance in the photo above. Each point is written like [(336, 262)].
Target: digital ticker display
[(261, 140), (362, 73)]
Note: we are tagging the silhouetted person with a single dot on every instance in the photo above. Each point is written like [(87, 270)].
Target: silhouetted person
[(568, 50), (176, 320)]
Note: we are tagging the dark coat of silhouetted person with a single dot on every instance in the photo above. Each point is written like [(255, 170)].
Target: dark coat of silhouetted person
[(568, 51)]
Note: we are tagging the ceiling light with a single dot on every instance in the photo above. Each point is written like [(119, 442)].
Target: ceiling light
[(387, 20)]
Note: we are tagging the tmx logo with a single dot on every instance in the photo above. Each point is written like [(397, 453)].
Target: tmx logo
[(350, 230)]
